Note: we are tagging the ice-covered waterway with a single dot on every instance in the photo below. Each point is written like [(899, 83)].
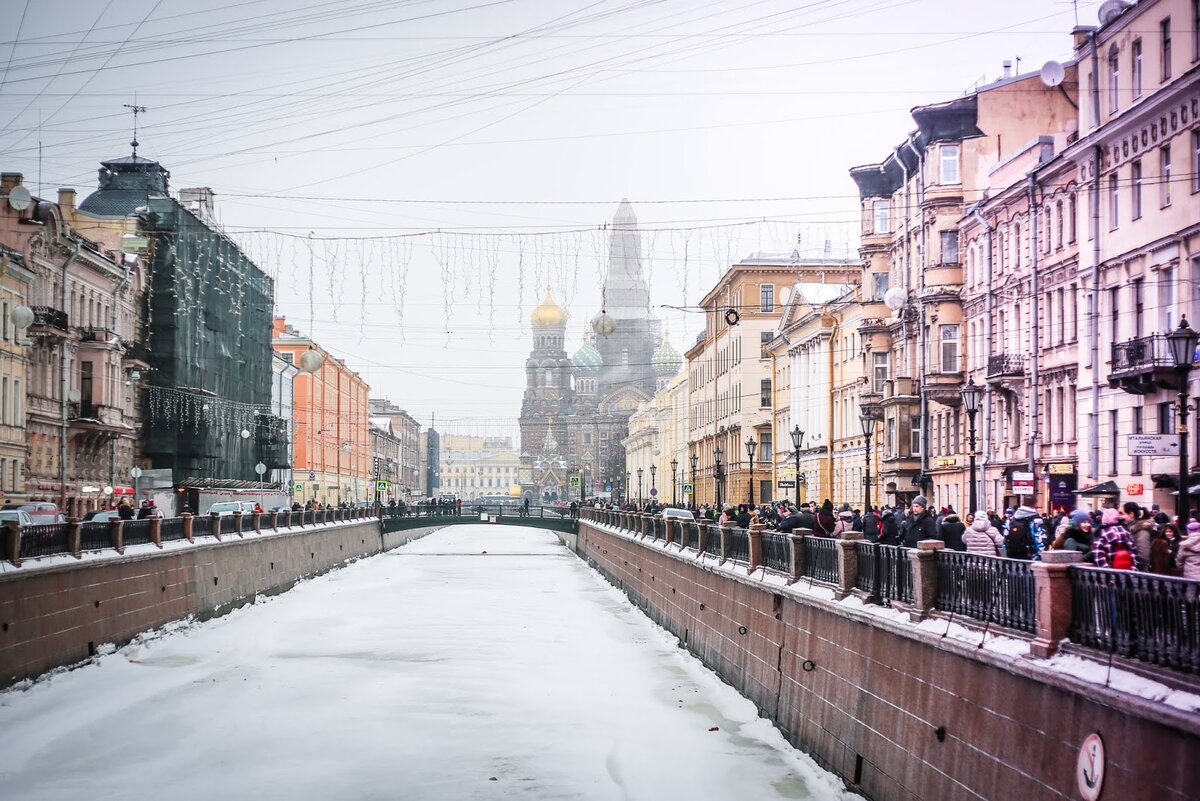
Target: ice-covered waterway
[(477, 663)]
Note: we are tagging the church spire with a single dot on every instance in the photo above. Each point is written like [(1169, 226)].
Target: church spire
[(626, 296)]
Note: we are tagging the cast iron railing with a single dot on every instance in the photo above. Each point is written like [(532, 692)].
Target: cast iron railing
[(48, 539), (50, 317), (1006, 364), (94, 536), (136, 532), (820, 559), (1142, 616), (987, 588), (171, 528), (739, 544), (1141, 354), (885, 571), (777, 551), (689, 536)]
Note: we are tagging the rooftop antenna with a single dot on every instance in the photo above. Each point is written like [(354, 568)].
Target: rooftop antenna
[(136, 109)]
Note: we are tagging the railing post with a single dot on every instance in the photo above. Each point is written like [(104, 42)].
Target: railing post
[(187, 526), (12, 542), (847, 545), (924, 570), (754, 535), (1052, 601), (116, 534), (214, 525), (797, 539), (74, 536), (726, 541), (703, 536), (237, 522), (156, 530), (256, 521), (275, 520)]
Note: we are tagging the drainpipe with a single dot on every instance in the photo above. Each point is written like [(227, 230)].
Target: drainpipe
[(1035, 309), (989, 306), (62, 388), (1094, 310), (829, 407), (922, 344), (112, 467), (907, 243)]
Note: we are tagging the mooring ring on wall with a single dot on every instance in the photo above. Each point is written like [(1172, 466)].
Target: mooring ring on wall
[(741, 629), (808, 665), (732, 317)]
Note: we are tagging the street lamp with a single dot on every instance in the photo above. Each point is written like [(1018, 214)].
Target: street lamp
[(639, 472), (695, 460), (674, 483), (751, 446), (260, 468), (797, 442), (866, 416), (625, 488), (718, 473), (653, 480), (972, 393), (1183, 342)]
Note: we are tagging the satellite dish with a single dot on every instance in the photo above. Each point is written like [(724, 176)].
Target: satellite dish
[(19, 198), (74, 396), (895, 298), (1053, 73), (1111, 9)]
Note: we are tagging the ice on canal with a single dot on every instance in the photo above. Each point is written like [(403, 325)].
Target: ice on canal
[(481, 662)]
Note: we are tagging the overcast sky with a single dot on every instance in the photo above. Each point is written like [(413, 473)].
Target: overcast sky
[(415, 173)]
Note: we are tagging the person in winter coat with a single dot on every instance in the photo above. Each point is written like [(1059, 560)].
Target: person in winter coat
[(918, 525), (1188, 558), (952, 532), (982, 537), (1162, 557), (743, 517), (1017, 545), (1141, 527), (825, 520), (870, 525), (889, 528), (1075, 534), (845, 523), (1113, 547)]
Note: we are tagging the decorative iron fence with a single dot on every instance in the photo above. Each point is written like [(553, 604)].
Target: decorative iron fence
[(777, 551), (1143, 616), (48, 539), (739, 544), (820, 559), (136, 532), (988, 588), (94, 536), (171, 529), (885, 571), (689, 535)]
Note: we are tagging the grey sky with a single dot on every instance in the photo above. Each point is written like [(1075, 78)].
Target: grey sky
[(513, 127)]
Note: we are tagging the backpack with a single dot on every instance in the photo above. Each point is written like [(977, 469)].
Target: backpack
[(1121, 558), (1018, 541)]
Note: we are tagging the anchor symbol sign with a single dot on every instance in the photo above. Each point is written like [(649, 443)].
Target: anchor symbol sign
[(1089, 770)]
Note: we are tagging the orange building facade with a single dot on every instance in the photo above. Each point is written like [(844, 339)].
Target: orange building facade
[(331, 462)]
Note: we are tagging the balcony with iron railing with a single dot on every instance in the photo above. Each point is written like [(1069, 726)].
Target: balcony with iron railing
[(101, 336), (1143, 365), (1006, 365), (49, 321)]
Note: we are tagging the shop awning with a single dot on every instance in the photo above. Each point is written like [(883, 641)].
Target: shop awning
[(1103, 488)]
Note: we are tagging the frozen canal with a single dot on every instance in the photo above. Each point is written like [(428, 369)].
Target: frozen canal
[(435, 671)]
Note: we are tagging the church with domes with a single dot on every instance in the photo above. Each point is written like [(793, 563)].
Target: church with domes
[(576, 408)]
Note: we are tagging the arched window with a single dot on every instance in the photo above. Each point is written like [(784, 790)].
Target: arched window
[(549, 377)]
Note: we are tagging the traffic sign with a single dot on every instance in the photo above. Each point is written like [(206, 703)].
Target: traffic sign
[(381, 486), (298, 488), (689, 488), (653, 492), (608, 487), (575, 481), (1152, 444)]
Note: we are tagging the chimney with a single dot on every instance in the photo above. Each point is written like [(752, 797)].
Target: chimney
[(828, 248), (1007, 68), (10, 179), (199, 201), (1080, 36), (66, 201)]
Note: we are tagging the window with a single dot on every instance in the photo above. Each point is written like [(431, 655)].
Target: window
[(1137, 429), (949, 349), (1136, 55), (1165, 28), (1195, 30), (4, 400), (765, 338), (1166, 297), (1071, 211), (915, 436), (949, 247), (766, 298), (1164, 163), (1114, 79), (1114, 210), (765, 446), (1058, 224), (879, 371), (1166, 418), (879, 283), (881, 209), (1196, 158), (1114, 444), (949, 164), (1016, 246), (764, 394), (4, 321), (1135, 203), (1139, 307)]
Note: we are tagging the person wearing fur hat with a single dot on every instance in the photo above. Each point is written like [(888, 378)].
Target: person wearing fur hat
[(918, 525), (1188, 558), (1112, 546), (982, 537)]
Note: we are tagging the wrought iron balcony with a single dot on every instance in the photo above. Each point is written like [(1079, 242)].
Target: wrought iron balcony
[(48, 320), (101, 335), (1143, 365), (1006, 364)]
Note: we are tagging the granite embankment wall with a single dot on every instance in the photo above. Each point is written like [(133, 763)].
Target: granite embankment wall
[(897, 711), (55, 615)]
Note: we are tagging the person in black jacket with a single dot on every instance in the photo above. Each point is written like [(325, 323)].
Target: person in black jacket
[(919, 523), (889, 528), (825, 521), (952, 532), (870, 526)]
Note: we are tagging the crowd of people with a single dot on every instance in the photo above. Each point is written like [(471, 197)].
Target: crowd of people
[(1129, 537)]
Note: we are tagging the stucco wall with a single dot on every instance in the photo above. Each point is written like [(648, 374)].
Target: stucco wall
[(876, 692)]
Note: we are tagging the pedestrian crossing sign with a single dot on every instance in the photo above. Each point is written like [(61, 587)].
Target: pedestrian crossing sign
[(689, 488), (575, 481), (381, 486), (298, 489)]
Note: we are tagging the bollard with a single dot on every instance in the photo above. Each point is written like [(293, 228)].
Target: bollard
[(924, 567), (156, 530), (847, 545), (187, 526), (74, 534), (1052, 606)]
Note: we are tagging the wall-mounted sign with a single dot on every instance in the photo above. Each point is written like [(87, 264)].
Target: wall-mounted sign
[(948, 461), (1061, 469), (1152, 444), (1135, 489), (1022, 483), (1089, 768)]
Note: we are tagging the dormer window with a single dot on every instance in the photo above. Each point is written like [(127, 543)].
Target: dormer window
[(949, 164)]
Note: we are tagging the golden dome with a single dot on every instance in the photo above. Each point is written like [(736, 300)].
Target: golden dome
[(549, 313)]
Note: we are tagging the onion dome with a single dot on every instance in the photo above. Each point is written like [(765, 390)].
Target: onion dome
[(549, 314), (666, 360), (587, 358)]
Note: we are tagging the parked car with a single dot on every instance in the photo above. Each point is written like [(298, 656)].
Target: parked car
[(41, 511), (22, 517), (679, 514), (225, 508), (101, 516)]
